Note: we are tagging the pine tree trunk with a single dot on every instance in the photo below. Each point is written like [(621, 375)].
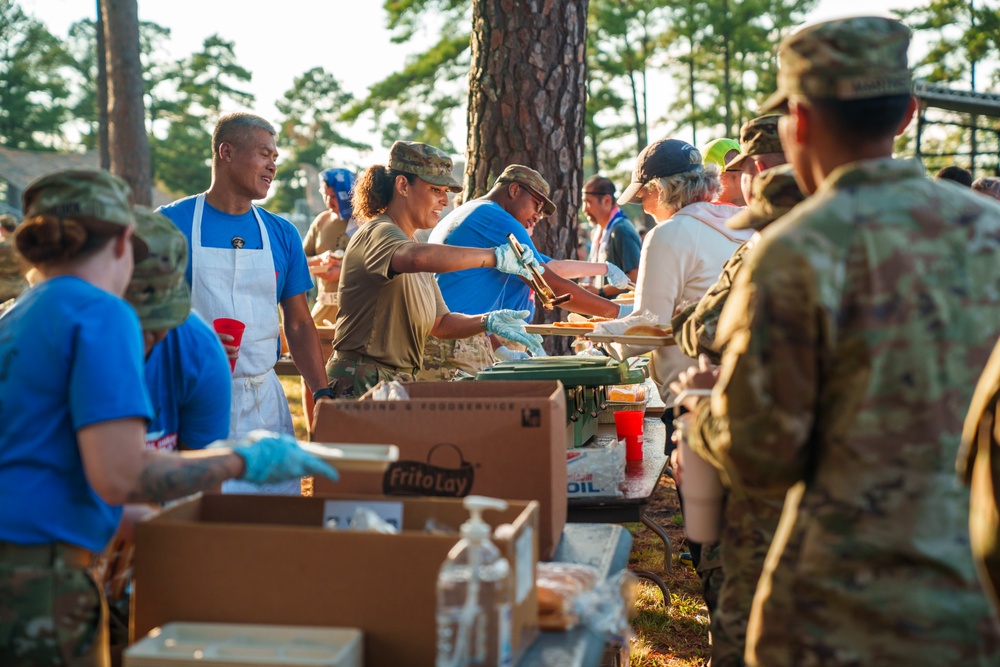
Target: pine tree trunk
[(102, 92), (527, 106), (128, 144)]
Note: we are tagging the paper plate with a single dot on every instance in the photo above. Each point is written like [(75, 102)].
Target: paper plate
[(351, 456)]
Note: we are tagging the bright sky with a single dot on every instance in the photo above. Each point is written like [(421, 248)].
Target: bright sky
[(280, 40)]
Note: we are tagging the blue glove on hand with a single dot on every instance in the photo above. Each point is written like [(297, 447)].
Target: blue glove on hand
[(615, 277), (505, 354), (271, 458), (625, 310), (508, 263), (509, 324)]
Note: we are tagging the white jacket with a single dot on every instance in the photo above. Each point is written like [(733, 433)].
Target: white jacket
[(681, 258)]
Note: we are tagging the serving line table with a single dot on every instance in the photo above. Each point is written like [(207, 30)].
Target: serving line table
[(605, 547), (641, 481)]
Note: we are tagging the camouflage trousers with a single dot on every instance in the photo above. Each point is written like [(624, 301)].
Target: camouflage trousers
[(352, 375), (454, 359), (52, 613)]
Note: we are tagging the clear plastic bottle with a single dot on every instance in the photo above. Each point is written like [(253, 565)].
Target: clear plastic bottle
[(474, 596)]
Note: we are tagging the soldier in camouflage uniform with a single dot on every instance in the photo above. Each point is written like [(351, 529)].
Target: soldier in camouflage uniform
[(979, 467), (12, 281), (853, 336), (389, 300), (730, 568)]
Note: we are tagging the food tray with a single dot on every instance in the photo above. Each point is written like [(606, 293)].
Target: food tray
[(355, 457), (550, 330), (656, 341), (607, 415), (230, 645)]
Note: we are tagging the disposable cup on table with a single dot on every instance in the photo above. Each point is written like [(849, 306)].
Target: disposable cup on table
[(230, 327), (628, 424)]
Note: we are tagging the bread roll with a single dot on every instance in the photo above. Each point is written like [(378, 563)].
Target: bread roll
[(645, 330)]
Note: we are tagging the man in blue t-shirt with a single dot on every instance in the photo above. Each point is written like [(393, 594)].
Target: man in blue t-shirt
[(518, 200), (244, 263), (187, 373)]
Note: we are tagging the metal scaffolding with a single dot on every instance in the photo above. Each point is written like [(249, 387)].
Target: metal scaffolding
[(973, 104)]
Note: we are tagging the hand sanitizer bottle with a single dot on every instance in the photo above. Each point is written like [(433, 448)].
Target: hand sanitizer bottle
[(474, 596)]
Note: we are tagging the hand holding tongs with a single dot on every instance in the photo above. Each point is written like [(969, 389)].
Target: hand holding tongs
[(545, 294)]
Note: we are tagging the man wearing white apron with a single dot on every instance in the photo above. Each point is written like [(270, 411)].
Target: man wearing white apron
[(242, 278)]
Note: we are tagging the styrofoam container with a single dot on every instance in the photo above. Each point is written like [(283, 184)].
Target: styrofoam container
[(231, 645)]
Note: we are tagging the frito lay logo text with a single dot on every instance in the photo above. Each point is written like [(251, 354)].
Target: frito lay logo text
[(445, 473)]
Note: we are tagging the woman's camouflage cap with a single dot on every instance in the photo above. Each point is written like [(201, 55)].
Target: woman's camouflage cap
[(425, 162), (847, 59), (774, 193), (99, 200), (159, 291)]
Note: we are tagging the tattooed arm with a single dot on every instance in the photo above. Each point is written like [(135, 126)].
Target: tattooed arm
[(121, 470)]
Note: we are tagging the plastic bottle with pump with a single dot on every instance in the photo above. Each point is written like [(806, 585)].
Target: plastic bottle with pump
[(474, 596)]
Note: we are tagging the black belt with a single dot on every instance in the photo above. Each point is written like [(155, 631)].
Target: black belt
[(45, 554)]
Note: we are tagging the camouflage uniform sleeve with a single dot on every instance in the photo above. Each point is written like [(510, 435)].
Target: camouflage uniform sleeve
[(697, 333), (757, 425)]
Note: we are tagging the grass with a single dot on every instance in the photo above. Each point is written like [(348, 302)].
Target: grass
[(665, 636)]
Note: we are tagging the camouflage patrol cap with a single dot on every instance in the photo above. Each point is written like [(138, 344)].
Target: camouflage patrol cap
[(847, 59), (12, 281), (774, 193), (159, 291), (758, 136), (426, 162), (99, 200), (528, 177)]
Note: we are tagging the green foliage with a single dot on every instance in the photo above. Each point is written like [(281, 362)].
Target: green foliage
[(310, 109), (34, 94), (187, 97), (964, 37), (416, 103)]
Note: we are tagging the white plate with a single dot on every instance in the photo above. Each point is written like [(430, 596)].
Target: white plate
[(659, 341), (351, 456)]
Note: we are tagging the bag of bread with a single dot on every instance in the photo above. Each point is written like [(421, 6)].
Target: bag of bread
[(571, 594)]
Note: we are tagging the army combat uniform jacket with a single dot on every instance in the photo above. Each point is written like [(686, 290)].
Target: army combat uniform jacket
[(854, 336)]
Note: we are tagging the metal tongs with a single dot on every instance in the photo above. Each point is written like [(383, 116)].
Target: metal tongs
[(545, 294)]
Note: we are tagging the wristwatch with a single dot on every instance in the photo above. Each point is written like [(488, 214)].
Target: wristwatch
[(600, 292), (325, 392), (482, 321)]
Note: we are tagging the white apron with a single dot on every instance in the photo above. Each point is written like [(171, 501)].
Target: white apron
[(241, 284)]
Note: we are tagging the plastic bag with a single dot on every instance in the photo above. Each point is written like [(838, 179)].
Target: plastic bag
[(570, 594), (387, 391), (597, 469)]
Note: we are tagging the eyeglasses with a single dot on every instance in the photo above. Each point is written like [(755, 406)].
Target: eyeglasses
[(539, 204)]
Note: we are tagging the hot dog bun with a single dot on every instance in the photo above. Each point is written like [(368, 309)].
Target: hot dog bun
[(645, 330)]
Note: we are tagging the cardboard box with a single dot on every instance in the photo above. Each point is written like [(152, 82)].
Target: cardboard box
[(268, 560), (500, 439)]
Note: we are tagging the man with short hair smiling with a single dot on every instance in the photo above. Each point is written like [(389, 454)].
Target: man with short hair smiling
[(244, 263), (614, 238)]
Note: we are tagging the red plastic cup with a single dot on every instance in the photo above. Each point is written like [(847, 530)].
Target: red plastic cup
[(233, 328), (628, 424)]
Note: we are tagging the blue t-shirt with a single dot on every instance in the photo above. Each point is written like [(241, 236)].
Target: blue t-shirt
[(71, 355), (190, 386), (482, 223), (218, 230)]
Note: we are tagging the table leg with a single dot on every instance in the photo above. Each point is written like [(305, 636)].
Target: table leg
[(668, 564), (655, 578)]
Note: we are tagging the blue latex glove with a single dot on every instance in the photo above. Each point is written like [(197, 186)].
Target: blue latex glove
[(271, 457), (509, 324), (625, 310), (508, 263), (615, 277), (505, 354)]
